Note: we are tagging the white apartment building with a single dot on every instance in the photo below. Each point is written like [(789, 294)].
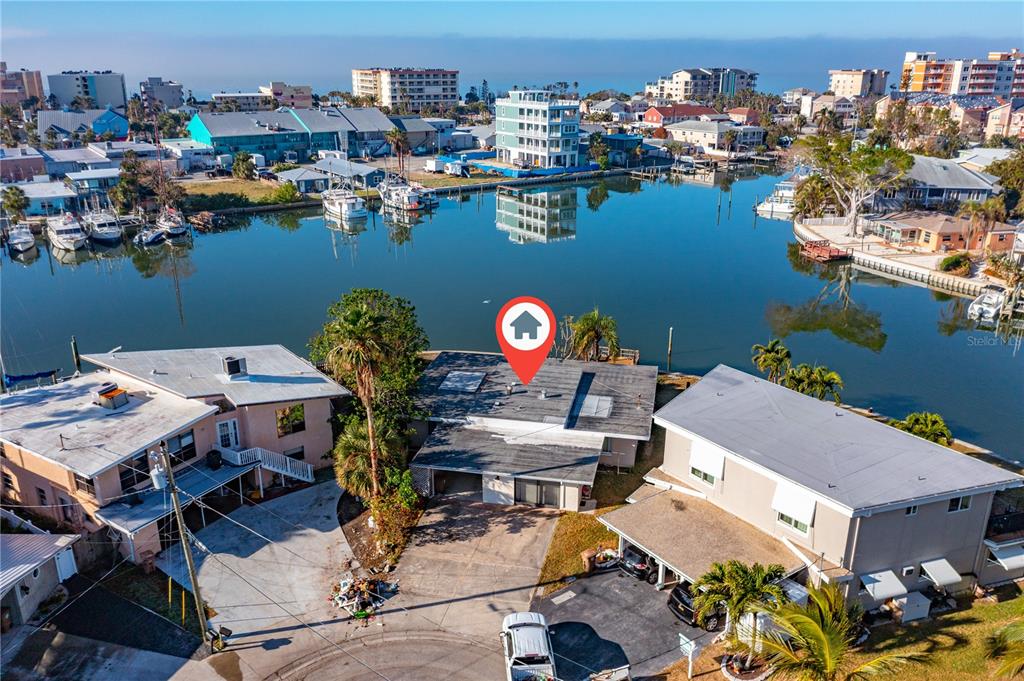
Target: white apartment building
[(166, 94), (243, 101), (105, 88), (293, 96), (701, 83), (852, 83), (535, 129), (1000, 75), (410, 89)]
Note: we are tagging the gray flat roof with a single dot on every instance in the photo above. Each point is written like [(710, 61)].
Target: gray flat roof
[(853, 460), (193, 481), (95, 174), (23, 553), (61, 423), (328, 119), (275, 374), (345, 168), (44, 190), (948, 174), (301, 174), (478, 450), (238, 123), (565, 384)]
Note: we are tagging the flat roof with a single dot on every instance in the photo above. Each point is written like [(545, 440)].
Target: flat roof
[(95, 174), (840, 455), (689, 534), (564, 384), (61, 423), (274, 373), (44, 190), (478, 448), (23, 553)]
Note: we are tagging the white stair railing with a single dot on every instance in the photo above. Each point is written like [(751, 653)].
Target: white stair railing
[(272, 461)]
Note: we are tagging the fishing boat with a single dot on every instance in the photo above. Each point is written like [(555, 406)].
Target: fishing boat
[(103, 226), (343, 202), (397, 194), (987, 306), (781, 202), (171, 223), (20, 238), (65, 231), (150, 236)]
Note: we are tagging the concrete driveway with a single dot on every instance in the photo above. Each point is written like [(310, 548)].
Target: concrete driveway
[(611, 619)]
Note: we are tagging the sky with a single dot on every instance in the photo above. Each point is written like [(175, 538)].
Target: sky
[(231, 46)]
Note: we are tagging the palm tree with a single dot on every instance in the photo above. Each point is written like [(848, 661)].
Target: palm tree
[(927, 425), (814, 642), (359, 350), (14, 203), (676, 149), (743, 589), (399, 143), (588, 332), (773, 359), (824, 120), (799, 378), (813, 196), (975, 212), (730, 140), (353, 467), (1008, 644), (826, 383)]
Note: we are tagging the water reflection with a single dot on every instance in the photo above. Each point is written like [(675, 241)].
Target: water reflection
[(539, 215)]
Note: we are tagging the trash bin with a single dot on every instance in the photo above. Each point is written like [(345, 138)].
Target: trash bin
[(588, 557)]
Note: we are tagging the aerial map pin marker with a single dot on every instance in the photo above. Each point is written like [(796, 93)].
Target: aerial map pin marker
[(526, 328)]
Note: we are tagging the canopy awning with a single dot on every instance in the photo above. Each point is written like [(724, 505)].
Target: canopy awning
[(941, 572), (883, 585), (794, 501), (707, 458), (1010, 557)]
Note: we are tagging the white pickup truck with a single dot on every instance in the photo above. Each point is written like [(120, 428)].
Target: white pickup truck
[(527, 646)]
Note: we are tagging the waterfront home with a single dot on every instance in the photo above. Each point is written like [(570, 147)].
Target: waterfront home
[(661, 116), (536, 216), (936, 182), (535, 128), (978, 159), (233, 421), (757, 472), (421, 135), (709, 137), (91, 184), (487, 435), (622, 148), (306, 180), (360, 175), (189, 154), (20, 163), (47, 198), (1006, 120), (35, 563), (938, 232), (65, 122)]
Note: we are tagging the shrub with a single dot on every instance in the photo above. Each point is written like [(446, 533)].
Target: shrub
[(219, 201), (286, 193), (958, 263), (281, 167)]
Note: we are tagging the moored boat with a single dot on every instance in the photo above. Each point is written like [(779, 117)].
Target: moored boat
[(397, 194), (65, 232), (781, 202), (171, 223), (988, 305), (20, 238), (149, 236), (344, 203), (103, 226)]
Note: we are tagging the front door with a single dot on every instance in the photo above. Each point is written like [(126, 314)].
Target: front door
[(65, 564), (227, 434)]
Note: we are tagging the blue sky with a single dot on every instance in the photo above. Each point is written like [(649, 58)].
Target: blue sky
[(211, 46)]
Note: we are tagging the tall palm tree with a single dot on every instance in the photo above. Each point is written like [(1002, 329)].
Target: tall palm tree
[(799, 378), (743, 588), (826, 383), (1008, 646), (773, 359), (360, 350), (353, 468), (927, 425), (588, 332), (399, 143), (975, 213), (14, 202), (814, 642), (823, 119)]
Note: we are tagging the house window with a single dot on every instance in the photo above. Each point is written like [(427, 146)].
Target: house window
[(181, 448), (298, 453), (83, 484), (41, 494), (134, 471), (8, 481), (291, 420), (911, 510), (793, 523), (66, 510), (959, 504), (702, 476)]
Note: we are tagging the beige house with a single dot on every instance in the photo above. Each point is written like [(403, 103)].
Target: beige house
[(710, 136), (758, 472), (233, 422), (1006, 120)]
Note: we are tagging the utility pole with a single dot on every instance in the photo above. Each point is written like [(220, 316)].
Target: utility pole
[(183, 532)]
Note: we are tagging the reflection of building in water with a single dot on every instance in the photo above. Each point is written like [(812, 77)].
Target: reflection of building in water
[(536, 216)]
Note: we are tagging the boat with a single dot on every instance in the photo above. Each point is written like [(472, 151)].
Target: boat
[(150, 236), (397, 194), (988, 305), (343, 202), (103, 226), (171, 223), (65, 231), (20, 238), (781, 202)]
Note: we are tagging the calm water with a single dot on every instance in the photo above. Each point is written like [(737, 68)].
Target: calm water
[(653, 257)]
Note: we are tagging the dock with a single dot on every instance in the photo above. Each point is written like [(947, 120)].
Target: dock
[(824, 251)]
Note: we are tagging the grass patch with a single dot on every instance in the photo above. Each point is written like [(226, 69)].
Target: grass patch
[(574, 533), (253, 190), (150, 591), (435, 181)]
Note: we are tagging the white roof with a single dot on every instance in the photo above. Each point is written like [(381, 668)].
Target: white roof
[(23, 553), (44, 190), (274, 374), (883, 585), (184, 143), (95, 174), (941, 572), (61, 423), (1010, 557)]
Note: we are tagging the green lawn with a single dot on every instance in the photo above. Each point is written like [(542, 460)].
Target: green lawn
[(574, 533), (251, 189)]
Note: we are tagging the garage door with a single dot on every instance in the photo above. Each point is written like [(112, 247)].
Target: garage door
[(538, 493)]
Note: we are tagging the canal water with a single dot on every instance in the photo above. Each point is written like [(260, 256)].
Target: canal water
[(653, 255)]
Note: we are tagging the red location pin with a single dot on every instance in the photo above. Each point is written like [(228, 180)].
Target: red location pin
[(526, 331)]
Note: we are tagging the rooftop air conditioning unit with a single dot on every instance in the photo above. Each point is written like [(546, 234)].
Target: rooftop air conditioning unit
[(234, 366), (109, 396)]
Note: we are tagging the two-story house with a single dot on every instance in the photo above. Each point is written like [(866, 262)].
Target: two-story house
[(232, 421), (754, 471), (487, 434)]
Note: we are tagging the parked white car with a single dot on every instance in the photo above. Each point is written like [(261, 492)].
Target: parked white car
[(527, 645)]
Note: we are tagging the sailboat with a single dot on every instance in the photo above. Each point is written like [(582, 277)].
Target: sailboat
[(65, 232), (171, 223)]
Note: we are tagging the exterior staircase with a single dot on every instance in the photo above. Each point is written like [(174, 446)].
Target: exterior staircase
[(272, 461)]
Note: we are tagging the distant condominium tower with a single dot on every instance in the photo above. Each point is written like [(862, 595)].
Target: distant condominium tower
[(409, 89), (292, 96), (1001, 74), (17, 86), (534, 128), (160, 93), (104, 88), (701, 83), (851, 83)]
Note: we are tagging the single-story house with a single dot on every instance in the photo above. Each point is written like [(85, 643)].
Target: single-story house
[(66, 122), (361, 175), (422, 136), (484, 135), (47, 198), (710, 136), (487, 434), (306, 180), (34, 564), (936, 182), (938, 232), (89, 183), (60, 162)]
